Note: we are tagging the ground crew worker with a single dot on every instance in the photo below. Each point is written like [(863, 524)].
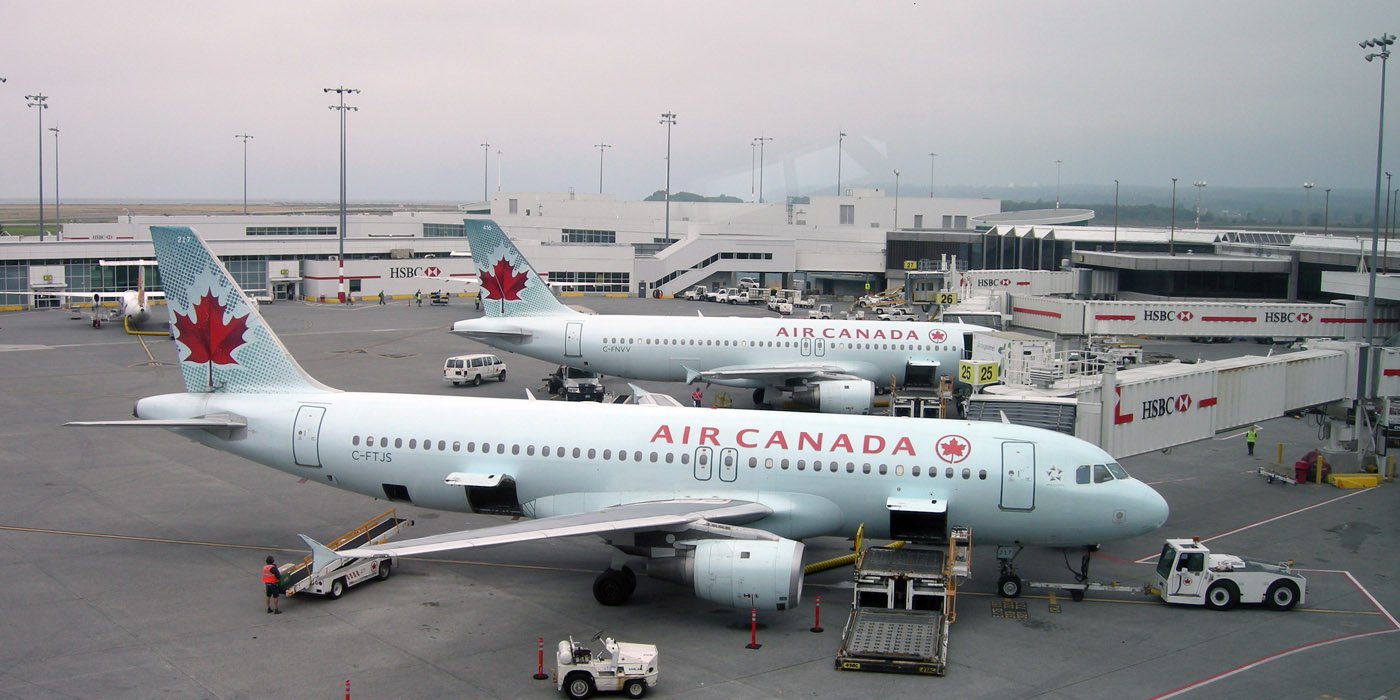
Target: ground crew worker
[(697, 397), (381, 297), (418, 297), (271, 586), (478, 300), (1250, 436)]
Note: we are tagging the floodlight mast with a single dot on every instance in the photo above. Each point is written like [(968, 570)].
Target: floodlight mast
[(40, 100), (245, 138), (342, 91), (669, 119), (1383, 42)]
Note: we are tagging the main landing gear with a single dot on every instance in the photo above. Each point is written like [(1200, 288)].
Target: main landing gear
[(614, 586)]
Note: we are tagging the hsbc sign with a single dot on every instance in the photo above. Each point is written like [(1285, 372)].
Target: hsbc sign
[(1165, 315), (1287, 317), (1157, 408), (406, 272), (993, 283)]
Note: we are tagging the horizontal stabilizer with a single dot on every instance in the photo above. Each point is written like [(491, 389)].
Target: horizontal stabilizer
[(218, 423), (459, 328)]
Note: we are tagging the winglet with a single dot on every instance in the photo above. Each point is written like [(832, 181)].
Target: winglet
[(691, 374), (321, 555)]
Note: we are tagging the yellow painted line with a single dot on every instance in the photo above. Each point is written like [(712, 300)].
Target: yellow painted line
[(267, 548)]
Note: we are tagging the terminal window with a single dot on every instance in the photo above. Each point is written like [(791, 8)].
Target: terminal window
[(848, 213), (290, 230), (579, 235), (442, 231)]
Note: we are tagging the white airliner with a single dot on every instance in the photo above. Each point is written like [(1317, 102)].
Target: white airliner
[(716, 499), (832, 366), (133, 305)]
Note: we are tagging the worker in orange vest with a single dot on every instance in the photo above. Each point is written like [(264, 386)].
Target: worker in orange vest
[(270, 577), (697, 397)]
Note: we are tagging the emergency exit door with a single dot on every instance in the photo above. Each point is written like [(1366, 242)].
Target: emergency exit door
[(1017, 475), (306, 436), (573, 339)]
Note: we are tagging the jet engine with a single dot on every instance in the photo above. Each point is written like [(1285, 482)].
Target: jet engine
[(837, 395), (738, 573)]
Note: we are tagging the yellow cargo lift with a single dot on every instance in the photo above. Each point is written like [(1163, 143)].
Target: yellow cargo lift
[(905, 601)]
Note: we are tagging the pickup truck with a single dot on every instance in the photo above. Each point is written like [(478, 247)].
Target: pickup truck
[(727, 296), (895, 313), (820, 311), (696, 293)]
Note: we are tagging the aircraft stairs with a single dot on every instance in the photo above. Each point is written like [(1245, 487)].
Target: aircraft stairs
[(905, 603)]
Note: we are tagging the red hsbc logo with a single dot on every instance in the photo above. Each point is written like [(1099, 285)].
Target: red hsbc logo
[(938, 335), (432, 272), (953, 448), (1185, 316)]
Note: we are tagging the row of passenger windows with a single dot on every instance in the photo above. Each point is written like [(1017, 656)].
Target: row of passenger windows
[(839, 345)]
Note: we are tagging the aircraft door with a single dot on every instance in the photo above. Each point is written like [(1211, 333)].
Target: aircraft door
[(703, 467), (573, 339), (805, 347), (1017, 476), (306, 436), (819, 347), (728, 464), (1188, 576)]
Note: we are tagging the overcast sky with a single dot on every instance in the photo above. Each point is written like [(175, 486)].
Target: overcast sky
[(149, 95)]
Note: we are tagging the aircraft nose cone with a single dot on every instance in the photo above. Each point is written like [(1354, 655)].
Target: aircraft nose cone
[(1154, 509)]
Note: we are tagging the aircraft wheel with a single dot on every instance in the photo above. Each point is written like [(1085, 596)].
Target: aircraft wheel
[(634, 689), (613, 587), (1009, 586), (456, 383), (386, 569), (1222, 596), (337, 589), (1077, 595), (476, 381), (578, 685), (501, 376), (1282, 595), (758, 396)]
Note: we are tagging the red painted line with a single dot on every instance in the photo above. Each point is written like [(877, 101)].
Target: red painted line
[(1115, 317), (462, 274), (1343, 320), (1229, 319), (1023, 284), (125, 238), (1391, 373), (1037, 312), (1205, 403), (75, 238)]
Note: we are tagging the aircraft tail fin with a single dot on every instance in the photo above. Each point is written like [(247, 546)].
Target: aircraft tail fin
[(509, 285), (224, 344)]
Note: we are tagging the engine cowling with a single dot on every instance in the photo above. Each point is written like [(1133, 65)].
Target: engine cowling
[(837, 395), (730, 571)]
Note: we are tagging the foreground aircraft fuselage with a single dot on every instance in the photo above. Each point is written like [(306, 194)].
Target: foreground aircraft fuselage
[(717, 499)]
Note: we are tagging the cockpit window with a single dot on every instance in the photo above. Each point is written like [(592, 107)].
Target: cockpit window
[(1118, 471), (1081, 475), (1101, 474)]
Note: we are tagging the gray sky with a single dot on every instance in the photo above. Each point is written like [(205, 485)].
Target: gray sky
[(148, 95)]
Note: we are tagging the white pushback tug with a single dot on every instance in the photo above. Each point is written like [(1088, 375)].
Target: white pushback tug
[(1190, 574), (605, 665)]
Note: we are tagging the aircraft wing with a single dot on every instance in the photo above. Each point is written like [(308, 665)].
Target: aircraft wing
[(776, 374), (670, 515)]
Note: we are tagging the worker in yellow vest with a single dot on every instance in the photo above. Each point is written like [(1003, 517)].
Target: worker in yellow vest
[(1250, 436)]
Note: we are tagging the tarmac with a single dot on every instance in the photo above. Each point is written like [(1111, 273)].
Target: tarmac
[(129, 560)]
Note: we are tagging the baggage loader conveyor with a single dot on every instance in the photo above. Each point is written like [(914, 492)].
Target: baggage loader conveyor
[(332, 580)]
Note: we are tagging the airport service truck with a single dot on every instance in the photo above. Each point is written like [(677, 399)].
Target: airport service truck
[(1190, 574), (605, 665)]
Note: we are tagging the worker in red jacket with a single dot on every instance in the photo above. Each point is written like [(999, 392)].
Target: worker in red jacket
[(271, 585)]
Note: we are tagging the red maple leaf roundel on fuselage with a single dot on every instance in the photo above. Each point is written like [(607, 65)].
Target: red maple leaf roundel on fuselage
[(206, 335), (502, 283)]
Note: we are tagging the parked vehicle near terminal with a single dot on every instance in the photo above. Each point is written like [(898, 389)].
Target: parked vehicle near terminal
[(820, 311), (472, 369), (696, 293), (575, 384), (1190, 574), (895, 313)]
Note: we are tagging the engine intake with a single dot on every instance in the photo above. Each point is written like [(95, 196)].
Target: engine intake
[(738, 573), (837, 395)]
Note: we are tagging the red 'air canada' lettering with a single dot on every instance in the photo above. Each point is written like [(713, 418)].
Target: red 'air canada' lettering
[(837, 333), (752, 438)]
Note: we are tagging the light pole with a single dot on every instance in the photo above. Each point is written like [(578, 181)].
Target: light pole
[(1199, 185), (760, 140), (1382, 42), (753, 165), (1385, 226), (245, 138), (1326, 208), (896, 198), (1171, 241), (669, 119), (39, 101), (840, 137), (57, 203), (500, 164), (1057, 183), (1115, 216), (600, 146), (341, 91), (932, 157), (1307, 204), (486, 171)]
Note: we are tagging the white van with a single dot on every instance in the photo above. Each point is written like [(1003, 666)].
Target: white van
[(471, 369)]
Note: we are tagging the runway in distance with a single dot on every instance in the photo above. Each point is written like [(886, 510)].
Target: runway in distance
[(719, 500), (831, 366)]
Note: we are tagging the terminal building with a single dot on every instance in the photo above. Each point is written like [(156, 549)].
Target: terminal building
[(839, 246)]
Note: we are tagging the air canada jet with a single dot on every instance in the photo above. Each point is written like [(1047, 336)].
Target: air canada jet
[(717, 500), (831, 366), (133, 305)]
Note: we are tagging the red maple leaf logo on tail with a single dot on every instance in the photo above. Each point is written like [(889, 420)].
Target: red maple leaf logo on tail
[(501, 282), (206, 335)]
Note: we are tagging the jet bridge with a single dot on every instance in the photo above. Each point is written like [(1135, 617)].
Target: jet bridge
[(1154, 407)]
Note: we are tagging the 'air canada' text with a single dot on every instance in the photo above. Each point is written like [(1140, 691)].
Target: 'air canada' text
[(802, 440), (836, 333)]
